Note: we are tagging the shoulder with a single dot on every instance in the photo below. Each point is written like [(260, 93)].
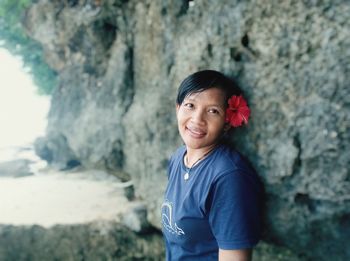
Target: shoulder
[(232, 166), (228, 159)]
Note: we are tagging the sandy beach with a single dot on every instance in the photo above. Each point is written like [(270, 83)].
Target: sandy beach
[(51, 197)]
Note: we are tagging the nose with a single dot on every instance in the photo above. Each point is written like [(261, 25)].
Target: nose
[(198, 117)]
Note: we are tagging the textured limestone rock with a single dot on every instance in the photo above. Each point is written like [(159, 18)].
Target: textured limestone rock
[(15, 168), (136, 219), (119, 65), (94, 241)]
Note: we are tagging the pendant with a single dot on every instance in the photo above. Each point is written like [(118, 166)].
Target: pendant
[(186, 176)]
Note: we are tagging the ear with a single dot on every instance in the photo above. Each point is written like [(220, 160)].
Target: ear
[(177, 108)]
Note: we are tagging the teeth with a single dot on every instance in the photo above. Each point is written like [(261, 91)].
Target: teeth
[(197, 132)]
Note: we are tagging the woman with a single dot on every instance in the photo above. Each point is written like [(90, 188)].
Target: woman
[(211, 209)]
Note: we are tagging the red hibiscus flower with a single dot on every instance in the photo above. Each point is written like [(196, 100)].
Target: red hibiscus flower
[(237, 112)]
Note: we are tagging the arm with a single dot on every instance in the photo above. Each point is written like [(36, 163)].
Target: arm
[(235, 255), (235, 217)]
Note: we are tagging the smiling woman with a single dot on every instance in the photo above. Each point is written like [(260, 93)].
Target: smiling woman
[(212, 207), (22, 110), (201, 119)]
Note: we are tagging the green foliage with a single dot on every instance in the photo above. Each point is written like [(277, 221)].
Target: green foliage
[(14, 39)]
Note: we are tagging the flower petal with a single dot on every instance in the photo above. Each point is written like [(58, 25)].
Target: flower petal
[(236, 120), (233, 102), (245, 111), (238, 111), (242, 102)]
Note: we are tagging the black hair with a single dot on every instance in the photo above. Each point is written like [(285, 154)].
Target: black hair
[(204, 80)]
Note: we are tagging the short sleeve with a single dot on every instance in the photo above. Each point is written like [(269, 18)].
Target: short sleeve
[(235, 208)]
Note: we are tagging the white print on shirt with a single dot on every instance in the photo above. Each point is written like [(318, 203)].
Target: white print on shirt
[(167, 216)]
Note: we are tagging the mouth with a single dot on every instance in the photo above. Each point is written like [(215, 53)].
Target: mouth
[(195, 133)]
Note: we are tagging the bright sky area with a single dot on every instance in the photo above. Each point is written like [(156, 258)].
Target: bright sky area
[(22, 111)]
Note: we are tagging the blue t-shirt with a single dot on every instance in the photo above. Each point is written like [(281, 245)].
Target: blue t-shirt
[(217, 207)]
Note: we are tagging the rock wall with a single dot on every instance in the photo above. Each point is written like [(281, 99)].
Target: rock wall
[(120, 63), (94, 241)]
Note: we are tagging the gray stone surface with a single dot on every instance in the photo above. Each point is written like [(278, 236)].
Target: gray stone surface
[(136, 218), (120, 63), (94, 241), (15, 168)]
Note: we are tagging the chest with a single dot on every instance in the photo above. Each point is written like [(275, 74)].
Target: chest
[(185, 213)]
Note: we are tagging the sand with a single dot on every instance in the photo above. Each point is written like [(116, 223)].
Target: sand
[(51, 197)]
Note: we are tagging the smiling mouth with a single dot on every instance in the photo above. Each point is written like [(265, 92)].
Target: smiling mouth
[(196, 133)]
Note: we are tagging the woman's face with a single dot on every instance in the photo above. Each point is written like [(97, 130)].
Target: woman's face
[(201, 118)]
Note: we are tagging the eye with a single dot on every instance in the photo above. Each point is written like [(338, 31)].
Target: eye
[(214, 111), (188, 105)]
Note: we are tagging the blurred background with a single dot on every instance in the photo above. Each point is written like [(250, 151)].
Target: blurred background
[(87, 98)]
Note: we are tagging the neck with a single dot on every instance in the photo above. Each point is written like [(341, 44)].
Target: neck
[(195, 155)]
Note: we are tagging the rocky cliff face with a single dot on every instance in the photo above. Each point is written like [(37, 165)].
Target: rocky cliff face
[(92, 241), (120, 63)]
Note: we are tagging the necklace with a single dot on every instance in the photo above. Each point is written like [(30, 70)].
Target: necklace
[(187, 174)]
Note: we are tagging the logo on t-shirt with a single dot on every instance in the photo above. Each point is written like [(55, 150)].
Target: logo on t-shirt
[(167, 219)]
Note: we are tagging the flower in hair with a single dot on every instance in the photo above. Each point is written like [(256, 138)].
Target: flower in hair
[(238, 111)]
